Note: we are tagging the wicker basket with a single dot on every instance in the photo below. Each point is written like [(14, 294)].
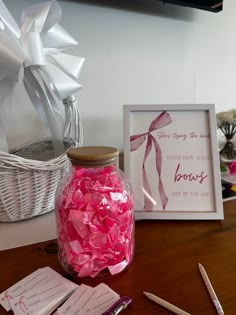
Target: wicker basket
[(29, 179), (30, 174)]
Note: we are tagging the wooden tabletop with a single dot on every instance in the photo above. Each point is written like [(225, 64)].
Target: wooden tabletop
[(166, 263)]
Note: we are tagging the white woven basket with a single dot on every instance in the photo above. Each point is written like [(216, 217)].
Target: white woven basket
[(29, 175), (29, 178)]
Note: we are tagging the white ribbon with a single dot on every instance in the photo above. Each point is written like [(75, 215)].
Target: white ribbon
[(33, 53)]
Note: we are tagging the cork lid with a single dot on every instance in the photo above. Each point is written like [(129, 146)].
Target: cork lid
[(92, 155)]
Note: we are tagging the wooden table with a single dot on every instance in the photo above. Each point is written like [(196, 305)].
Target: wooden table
[(165, 263)]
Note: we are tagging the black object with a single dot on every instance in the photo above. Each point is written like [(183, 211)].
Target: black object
[(209, 5)]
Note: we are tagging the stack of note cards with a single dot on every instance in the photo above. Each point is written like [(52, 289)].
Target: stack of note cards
[(43, 292), (89, 301)]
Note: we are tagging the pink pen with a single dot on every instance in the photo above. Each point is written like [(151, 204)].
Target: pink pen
[(119, 306)]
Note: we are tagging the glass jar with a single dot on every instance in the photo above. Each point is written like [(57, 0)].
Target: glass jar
[(94, 214)]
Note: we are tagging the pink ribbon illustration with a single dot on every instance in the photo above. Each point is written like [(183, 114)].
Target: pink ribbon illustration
[(22, 305), (136, 141), (6, 296)]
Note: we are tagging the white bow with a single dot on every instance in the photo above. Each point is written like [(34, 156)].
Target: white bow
[(33, 54)]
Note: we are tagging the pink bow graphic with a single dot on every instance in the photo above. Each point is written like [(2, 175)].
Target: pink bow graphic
[(6, 296), (136, 141), (22, 305)]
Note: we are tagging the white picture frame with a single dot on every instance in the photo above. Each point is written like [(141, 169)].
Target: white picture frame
[(172, 162)]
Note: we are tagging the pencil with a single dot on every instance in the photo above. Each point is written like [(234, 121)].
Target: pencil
[(165, 304), (210, 290)]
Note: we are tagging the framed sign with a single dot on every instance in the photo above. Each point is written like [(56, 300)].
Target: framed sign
[(171, 159)]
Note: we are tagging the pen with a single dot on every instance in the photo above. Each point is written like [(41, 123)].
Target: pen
[(119, 306), (165, 304), (210, 290)]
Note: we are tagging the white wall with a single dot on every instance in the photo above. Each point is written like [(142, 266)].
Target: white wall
[(167, 54)]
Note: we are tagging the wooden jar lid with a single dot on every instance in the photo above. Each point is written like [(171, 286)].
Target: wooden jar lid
[(92, 155)]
